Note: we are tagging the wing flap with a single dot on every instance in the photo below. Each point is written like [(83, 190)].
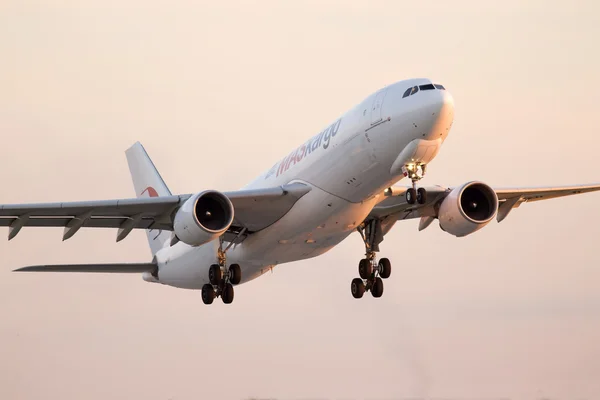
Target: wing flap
[(96, 268)]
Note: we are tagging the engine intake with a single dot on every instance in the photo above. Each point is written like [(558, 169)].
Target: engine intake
[(203, 217), (468, 208)]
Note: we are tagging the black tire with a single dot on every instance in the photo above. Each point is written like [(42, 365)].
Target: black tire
[(235, 274), (377, 289), (357, 287), (215, 275), (365, 268), (208, 294), (227, 294), (385, 268), (411, 195), (421, 196)]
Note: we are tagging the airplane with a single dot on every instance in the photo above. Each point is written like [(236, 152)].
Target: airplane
[(342, 180)]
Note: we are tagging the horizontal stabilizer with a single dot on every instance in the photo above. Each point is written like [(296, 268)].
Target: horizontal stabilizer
[(100, 268)]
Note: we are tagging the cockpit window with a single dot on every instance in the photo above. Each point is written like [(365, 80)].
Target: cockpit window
[(429, 86)]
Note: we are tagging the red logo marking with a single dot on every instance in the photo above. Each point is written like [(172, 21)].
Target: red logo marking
[(151, 192)]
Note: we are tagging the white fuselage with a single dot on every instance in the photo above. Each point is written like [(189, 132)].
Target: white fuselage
[(347, 165)]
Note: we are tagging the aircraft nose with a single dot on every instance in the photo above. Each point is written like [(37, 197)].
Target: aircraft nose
[(447, 99), (444, 103), (442, 114)]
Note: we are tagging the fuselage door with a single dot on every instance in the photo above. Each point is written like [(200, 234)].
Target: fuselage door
[(377, 106)]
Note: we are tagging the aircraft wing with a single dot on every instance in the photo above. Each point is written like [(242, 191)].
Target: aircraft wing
[(254, 209), (543, 193), (394, 206)]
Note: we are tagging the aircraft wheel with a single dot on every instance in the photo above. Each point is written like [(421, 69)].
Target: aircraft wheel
[(235, 274), (227, 294), (215, 275), (357, 287), (421, 195), (377, 289), (411, 194), (365, 268), (385, 268), (208, 294)]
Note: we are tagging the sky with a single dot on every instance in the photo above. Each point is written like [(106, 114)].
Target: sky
[(219, 91)]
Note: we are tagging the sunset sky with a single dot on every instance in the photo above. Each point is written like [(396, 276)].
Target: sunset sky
[(218, 92)]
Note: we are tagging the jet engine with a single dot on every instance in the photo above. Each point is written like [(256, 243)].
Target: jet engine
[(203, 217), (468, 208)]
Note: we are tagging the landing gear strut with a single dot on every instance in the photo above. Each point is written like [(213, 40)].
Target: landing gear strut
[(370, 270), (221, 278), (415, 171)]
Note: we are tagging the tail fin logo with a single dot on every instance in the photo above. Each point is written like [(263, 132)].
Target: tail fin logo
[(151, 192)]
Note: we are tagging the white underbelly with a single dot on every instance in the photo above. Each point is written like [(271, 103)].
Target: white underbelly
[(316, 223)]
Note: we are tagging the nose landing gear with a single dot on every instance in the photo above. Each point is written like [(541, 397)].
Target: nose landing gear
[(416, 172), (371, 271)]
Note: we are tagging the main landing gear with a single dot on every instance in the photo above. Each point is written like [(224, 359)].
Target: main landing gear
[(415, 171), (371, 271), (221, 280)]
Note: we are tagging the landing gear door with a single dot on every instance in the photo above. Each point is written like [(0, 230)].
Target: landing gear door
[(377, 106)]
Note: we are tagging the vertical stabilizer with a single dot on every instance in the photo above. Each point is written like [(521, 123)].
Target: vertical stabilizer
[(147, 183)]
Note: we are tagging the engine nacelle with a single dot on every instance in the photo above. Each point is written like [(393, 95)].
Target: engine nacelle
[(468, 208), (203, 217)]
